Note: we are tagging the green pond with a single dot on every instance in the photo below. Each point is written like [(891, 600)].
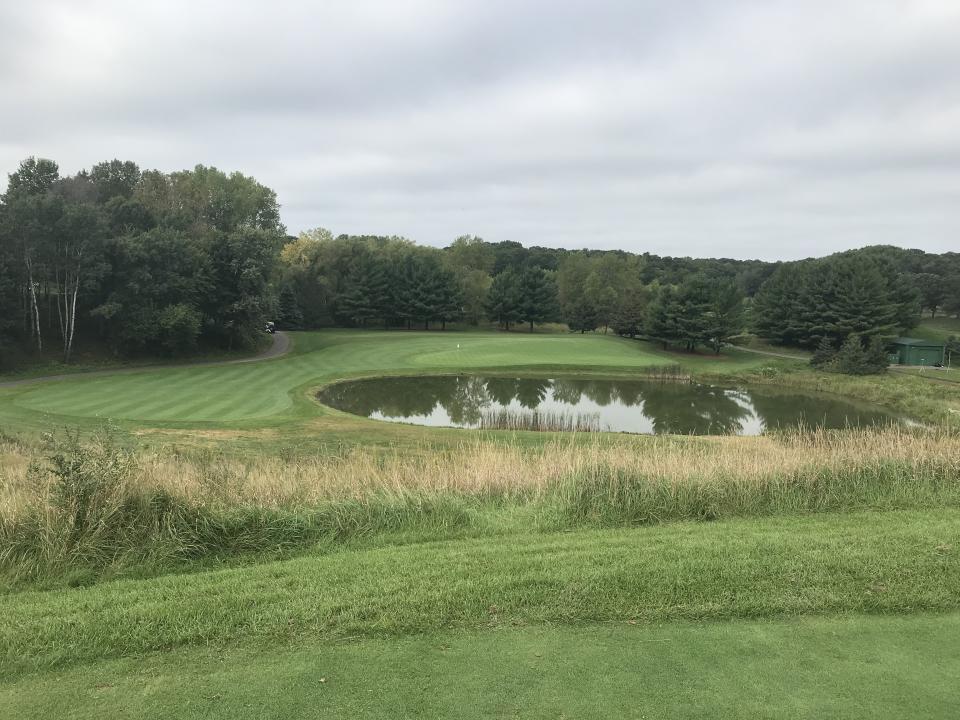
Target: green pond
[(633, 406)]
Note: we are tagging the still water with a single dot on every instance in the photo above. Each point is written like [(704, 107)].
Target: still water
[(634, 406)]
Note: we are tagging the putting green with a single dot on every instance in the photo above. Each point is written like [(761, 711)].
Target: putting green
[(273, 388)]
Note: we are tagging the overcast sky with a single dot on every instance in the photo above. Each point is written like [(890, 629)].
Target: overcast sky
[(734, 128)]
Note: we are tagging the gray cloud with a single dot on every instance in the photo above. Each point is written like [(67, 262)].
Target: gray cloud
[(743, 128)]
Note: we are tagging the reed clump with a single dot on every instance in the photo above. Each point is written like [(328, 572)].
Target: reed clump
[(88, 502), (538, 420)]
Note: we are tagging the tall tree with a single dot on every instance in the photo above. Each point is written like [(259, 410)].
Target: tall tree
[(537, 296), (725, 316), (30, 217), (242, 262), (503, 300), (78, 264), (931, 290), (365, 294), (115, 179), (630, 311), (662, 321), (847, 293), (581, 316), (471, 260), (150, 272)]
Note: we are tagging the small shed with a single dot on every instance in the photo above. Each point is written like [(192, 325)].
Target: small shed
[(915, 351)]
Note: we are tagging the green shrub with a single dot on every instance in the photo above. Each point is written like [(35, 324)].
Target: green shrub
[(857, 356), (179, 328)]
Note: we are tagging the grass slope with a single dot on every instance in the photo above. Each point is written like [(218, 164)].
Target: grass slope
[(850, 667), (269, 404), (939, 329), (244, 392), (890, 562)]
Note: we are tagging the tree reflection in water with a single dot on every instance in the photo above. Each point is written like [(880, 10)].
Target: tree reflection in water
[(651, 406)]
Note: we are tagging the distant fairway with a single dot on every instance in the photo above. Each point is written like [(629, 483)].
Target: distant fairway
[(268, 389)]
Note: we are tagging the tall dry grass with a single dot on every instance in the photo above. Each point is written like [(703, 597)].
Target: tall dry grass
[(91, 502)]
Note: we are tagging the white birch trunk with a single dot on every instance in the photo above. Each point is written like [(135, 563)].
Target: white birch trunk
[(34, 309), (72, 320)]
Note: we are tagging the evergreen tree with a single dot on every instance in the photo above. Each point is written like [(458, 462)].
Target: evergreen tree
[(859, 355), (692, 317), (366, 291), (537, 296), (630, 312), (848, 293), (289, 315), (449, 307), (725, 317), (662, 317), (582, 316), (824, 353), (503, 298)]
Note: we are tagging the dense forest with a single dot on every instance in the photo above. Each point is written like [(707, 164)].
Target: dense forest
[(153, 263)]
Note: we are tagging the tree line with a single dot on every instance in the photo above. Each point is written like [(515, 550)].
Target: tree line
[(389, 281), (145, 261), (169, 263), (845, 307)]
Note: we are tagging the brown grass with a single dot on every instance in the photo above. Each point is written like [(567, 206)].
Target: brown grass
[(485, 468)]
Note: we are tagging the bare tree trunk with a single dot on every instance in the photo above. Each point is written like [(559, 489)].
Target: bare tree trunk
[(67, 291), (34, 309), (61, 294), (73, 320)]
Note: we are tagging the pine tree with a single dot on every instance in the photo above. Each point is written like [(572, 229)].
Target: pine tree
[(824, 353), (630, 312), (289, 315), (859, 356), (448, 298), (662, 314), (854, 292), (366, 291), (537, 295), (849, 358), (503, 298), (695, 301), (725, 317), (582, 316)]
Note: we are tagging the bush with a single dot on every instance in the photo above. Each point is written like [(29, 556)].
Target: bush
[(824, 353), (856, 356), (179, 328)]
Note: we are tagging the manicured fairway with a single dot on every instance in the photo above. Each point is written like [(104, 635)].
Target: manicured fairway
[(275, 388), (849, 667)]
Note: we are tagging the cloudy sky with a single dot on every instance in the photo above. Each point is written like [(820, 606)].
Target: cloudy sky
[(738, 128)]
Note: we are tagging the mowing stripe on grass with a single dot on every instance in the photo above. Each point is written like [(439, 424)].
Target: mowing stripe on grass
[(242, 392)]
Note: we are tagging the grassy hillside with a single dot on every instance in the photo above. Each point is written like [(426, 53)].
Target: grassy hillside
[(273, 393), (941, 328), (270, 402), (258, 391), (865, 562), (235, 549), (393, 626)]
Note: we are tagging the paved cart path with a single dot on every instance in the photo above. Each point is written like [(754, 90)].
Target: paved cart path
[(768, 353)]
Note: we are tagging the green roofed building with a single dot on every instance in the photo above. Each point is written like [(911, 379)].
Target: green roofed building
[(915, 351)]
